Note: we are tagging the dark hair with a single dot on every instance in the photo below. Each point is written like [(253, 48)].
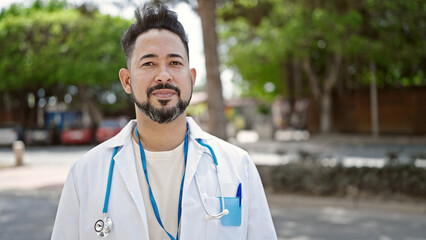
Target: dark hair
[(156, 16)]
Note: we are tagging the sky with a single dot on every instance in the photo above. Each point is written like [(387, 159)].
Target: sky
[(189, 19)]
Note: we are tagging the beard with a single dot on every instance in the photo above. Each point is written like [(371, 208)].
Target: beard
[(162, 114)]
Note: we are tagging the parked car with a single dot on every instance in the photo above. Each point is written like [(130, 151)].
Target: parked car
[(10, 132), (38, 136), (77, 135), (109, 128)]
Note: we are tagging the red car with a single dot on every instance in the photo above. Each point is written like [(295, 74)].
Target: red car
[(109, 128), (83, 135)]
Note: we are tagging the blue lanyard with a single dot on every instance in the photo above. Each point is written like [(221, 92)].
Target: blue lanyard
[(151, 196)]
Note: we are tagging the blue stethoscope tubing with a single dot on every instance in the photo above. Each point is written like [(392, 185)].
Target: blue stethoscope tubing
[(225, 211), (153, 202), (108, 190)]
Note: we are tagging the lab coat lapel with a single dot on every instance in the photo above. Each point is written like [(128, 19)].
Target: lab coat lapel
[(195, 151), (125, 162)]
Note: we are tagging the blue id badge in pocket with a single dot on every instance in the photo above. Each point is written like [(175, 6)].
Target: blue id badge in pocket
[(234, 208), (233, 204)]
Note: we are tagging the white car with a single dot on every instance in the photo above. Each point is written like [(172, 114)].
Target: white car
[(8, 134)]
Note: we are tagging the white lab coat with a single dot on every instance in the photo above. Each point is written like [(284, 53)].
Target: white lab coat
[(83, 195)]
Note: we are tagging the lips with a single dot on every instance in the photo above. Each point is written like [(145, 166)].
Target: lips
[(164, 93)]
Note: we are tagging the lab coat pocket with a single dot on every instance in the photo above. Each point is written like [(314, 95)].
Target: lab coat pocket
[(233, 205), (228, 227)]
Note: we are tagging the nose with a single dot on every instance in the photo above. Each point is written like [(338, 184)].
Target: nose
[(163, 76)]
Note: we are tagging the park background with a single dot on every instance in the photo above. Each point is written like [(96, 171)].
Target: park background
[(329, 97)]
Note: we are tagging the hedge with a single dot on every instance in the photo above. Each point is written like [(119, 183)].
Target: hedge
[(405, 180)]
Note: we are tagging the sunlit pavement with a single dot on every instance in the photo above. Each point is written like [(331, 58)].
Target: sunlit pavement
[(29, 214), (29, 196), (309, 218), (349, 150)]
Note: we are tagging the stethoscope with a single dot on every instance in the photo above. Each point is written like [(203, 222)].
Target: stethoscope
[(103, 227)]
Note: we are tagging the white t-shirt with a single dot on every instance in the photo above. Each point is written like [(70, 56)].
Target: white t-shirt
[(165, 171)]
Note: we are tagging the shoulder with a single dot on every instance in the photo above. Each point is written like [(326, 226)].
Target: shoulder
[(222, 148), (100, 155), (94, 158), (226, 148), (233, 160)]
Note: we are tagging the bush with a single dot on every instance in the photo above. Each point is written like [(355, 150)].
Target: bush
[(406, 180)]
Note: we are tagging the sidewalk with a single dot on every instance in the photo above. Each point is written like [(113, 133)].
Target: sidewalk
[(352, 150), (43, 167), (362, 204), (318, 142), (32, 177)]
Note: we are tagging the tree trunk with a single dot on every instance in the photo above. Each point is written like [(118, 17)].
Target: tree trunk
[(373, 102), (215, 102), (325, 113), (312, 78), (287, 76), (298, 80), (324, 96), (314, 87)]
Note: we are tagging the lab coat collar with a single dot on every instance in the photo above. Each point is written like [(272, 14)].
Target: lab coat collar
[(123, 136), (195, 131), (120, 139)]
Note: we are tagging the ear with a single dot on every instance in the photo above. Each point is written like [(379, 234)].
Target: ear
[(193, 73), (124, 75)]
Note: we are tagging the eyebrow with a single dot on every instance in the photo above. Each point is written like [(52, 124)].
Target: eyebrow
[(175, 55), (171, 55)]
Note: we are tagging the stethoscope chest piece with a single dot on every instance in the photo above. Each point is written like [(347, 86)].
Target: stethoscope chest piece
[(103, 227)]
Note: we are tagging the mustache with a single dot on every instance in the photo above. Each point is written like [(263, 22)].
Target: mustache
[(163, 86)]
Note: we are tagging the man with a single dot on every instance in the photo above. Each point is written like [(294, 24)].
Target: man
[(162, 177)]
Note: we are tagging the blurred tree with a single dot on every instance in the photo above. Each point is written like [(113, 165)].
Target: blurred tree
[(216, 107), (289, 31), (331, 41), (50, 46)]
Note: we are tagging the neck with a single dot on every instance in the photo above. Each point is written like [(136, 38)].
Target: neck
[(160, 137)]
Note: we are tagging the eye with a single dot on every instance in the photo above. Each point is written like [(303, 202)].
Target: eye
[(176, 63), (147, 64)]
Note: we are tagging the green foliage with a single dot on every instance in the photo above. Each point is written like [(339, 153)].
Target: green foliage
[(45, 45), (390, 33), (51, 46), (196, 110)]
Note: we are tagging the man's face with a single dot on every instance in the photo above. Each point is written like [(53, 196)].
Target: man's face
[(160, 80)]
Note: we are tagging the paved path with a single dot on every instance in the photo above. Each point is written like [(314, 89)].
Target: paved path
[(319, 218), (350, 150), (29, 214), (29, 196)]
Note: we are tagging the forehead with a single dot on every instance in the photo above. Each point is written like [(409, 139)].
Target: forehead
[(159, 42)]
